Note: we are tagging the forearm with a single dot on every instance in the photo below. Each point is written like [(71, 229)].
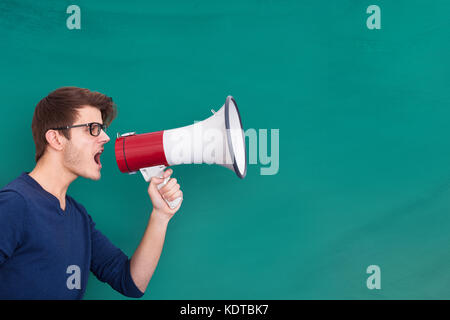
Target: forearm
[(146, 257)]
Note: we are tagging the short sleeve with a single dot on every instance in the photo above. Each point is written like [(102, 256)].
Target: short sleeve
[(12, 212), (109, 264)]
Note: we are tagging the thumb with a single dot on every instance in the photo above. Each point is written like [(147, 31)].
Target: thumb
[(156, 181), (167, 173)]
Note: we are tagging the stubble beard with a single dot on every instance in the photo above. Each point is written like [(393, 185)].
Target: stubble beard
[(73, 161)]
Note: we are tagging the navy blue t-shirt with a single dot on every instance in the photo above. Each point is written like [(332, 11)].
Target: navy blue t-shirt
[(47, 252)]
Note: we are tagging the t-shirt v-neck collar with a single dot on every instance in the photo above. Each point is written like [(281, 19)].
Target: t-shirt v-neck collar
[(28, 179)]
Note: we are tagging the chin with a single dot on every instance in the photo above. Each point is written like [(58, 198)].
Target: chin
[(93, 176), (97, 176)]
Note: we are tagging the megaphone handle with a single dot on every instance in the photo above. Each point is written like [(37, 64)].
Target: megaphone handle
[(172, 204), (158, 171)]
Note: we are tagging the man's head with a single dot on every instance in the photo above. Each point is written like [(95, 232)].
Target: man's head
[(77, 149)]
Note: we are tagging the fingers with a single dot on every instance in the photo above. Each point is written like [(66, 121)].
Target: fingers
[(176, 195), (170, 188), (175, 204), (158, 180), (172, 193), (170, 183)]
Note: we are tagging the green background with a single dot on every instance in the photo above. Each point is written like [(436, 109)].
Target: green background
[(363, 116)]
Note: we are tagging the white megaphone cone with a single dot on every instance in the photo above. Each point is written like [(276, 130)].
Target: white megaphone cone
[(218, 139)]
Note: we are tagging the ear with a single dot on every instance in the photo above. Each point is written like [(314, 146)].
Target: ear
[(55, 139)]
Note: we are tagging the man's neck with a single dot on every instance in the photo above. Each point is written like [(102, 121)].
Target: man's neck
[(53, 178)]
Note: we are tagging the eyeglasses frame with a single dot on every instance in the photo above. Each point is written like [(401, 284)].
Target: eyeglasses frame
[(90, 124)]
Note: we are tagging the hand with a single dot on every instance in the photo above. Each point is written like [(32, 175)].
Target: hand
[(170, 192)]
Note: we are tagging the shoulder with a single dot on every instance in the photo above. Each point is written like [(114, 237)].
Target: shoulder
[(17, 190), (13, 208), (14, 202), (11, 198)]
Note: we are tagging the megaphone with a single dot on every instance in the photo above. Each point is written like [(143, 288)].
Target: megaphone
[(218, 139)]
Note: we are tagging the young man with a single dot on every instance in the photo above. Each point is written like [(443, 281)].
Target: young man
[(48, 242)]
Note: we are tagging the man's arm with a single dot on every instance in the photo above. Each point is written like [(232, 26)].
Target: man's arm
[(146, 257), (12, 212)]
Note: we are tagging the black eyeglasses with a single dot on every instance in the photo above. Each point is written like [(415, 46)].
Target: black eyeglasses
[(94, 128)]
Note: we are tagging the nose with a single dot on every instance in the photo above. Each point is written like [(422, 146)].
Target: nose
[(104, 138)]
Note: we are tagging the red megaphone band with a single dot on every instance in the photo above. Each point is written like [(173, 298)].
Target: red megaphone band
[(140, 151)]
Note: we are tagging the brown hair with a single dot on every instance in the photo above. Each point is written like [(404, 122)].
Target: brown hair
[(59, 109)]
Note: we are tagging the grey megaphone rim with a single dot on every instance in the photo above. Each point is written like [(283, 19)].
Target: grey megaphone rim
[(230, 144)]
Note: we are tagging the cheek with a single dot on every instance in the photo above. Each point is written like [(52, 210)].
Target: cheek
[(73, 154), (70, 155)]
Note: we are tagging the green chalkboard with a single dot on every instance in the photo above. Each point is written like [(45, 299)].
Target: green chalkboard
[(361, 116)]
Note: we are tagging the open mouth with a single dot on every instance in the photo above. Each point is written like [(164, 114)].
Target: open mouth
[(97, 158)]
